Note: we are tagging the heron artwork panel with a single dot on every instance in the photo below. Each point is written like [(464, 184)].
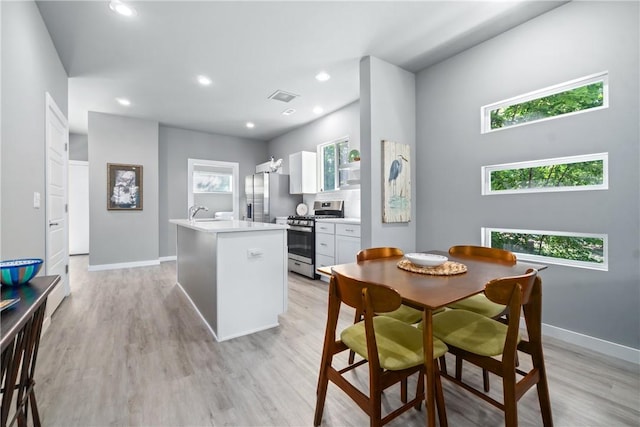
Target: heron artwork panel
[(397, 182)]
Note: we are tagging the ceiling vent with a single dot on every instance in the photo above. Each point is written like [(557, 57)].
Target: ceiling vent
[(283, 96)]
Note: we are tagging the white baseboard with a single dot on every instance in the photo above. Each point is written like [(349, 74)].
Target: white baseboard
[(119, 265), (596, 344), (168, 258), (607, 348)]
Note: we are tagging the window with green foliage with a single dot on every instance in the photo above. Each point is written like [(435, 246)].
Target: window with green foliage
[(551, 247), (577, 96), (575, 173), (330, 156)]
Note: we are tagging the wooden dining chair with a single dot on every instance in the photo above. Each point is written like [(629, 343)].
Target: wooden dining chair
[(479, 340), (393, 350), (479, 303), (404, 313)]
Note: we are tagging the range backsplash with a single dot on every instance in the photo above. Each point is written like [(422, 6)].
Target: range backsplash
[(351, 200)]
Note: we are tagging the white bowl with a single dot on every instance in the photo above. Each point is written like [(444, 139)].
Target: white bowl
[(426, 260)]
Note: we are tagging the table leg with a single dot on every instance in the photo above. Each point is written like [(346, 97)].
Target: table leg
[(429, 367)]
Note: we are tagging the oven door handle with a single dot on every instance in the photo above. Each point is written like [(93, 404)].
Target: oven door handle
[(298, 228)]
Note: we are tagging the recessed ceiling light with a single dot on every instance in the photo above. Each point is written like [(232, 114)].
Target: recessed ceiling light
[(204, 80), (318, 109), (322, 76), (288, 112), (123, 9), (123, 101), (250, 125)]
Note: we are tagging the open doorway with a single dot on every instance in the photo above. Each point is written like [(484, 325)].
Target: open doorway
[(215, 185)]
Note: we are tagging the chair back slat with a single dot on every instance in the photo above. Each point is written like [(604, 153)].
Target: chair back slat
[(481, 251), (375, 253), (383, 298)]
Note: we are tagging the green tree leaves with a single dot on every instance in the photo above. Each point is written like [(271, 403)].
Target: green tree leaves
[(558, 175), (578, 99)]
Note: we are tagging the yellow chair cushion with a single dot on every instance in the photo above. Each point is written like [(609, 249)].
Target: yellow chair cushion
[(470, 331), (405, 314), (399, 344), (479, 304)]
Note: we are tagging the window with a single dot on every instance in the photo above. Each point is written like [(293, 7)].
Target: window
[(331, 155), (552, 247), (575, 173), (211, 182), (577, 96)]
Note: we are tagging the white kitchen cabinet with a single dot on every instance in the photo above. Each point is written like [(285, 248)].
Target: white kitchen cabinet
[(302, 173), (337, 242), (347, 243)]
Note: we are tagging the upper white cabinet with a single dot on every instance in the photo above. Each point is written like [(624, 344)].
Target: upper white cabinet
[(302, 173)]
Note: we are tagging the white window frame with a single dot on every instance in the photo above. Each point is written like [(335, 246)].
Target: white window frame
[(486, 241), (320, 163), (485, 111), (487, 170)]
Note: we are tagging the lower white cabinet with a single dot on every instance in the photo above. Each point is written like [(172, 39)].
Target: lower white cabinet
[(336, 243), (347, 243)]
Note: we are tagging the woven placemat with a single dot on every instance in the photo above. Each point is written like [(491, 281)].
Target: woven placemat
[(449, 268)]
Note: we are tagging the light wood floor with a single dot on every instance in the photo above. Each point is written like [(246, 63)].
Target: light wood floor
[(127, 349)]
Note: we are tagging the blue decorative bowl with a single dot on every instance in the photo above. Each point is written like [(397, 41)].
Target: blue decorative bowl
[(19, 271)]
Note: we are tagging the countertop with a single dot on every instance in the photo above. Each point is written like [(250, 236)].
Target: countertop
[(340, 220), (227, 226)]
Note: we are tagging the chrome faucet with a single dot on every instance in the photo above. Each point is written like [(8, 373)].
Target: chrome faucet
[(193, 210)]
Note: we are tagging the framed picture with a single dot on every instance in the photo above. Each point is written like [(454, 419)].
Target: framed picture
[(396, 172), (124, 187)]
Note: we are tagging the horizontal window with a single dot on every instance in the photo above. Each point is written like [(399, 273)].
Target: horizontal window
[(211, 182), (551, 247), (575, 173), (577, 96)]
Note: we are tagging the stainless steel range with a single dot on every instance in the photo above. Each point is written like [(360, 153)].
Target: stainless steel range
[(301, 236)]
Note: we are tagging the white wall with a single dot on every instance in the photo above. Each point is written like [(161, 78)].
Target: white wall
[(30, 67), (574, 40), (118, 237)]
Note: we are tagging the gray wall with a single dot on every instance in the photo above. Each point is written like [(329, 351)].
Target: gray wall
[(78, 147), (178, 145), (388, 112), (30, 67), (574, 40), (343, 122), (122, 236)]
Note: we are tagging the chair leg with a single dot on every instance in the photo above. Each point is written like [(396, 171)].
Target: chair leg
[(442, 412), (321, 391), (375, 407), (443, 364), (403, 390), (510, 401), (420, 390), (485, 380)]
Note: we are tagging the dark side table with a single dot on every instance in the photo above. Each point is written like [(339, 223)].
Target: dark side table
[(21, 327)]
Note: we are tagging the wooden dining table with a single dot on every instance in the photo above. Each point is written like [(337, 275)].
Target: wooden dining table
[(429, 293)]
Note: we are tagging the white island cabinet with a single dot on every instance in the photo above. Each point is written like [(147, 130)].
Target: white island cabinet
[(234, 273)]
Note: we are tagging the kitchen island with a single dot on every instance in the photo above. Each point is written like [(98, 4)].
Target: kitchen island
[(234, 273)]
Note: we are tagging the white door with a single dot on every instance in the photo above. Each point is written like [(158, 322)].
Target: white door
[(78, 207), (57, 250)]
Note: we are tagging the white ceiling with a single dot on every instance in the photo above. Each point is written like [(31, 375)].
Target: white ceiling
[(251, 49)]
